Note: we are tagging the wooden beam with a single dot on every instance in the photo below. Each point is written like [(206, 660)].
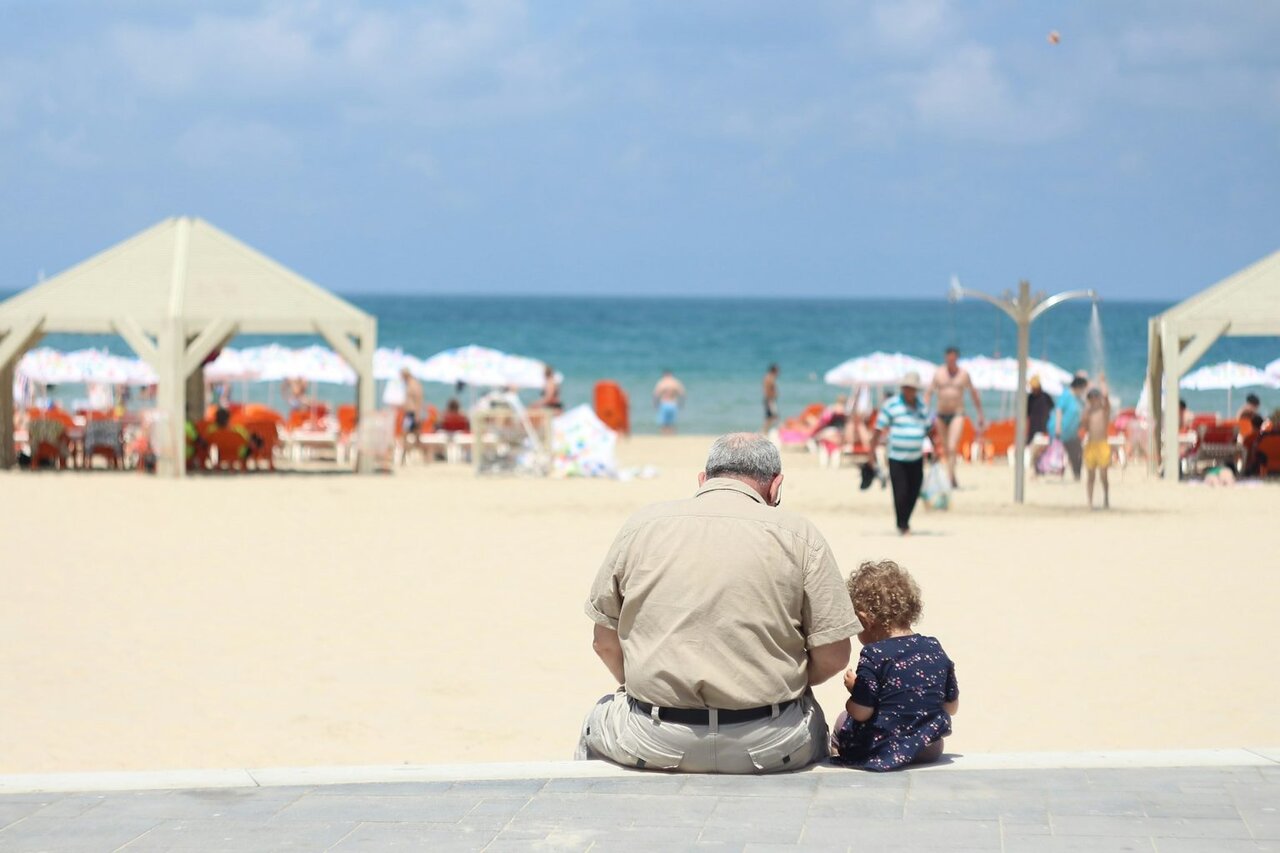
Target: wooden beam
[(342, 344), (18, 340), (138, 341), (209, 339)]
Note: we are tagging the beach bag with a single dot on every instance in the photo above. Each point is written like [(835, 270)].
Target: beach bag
[(1053, 460), (936, 492)]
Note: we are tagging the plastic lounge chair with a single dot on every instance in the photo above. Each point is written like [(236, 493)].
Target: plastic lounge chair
[(1216, 444), (103, 437), (231, 446), (49, 443)]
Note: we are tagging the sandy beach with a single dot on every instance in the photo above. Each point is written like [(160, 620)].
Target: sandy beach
[(432, 616)]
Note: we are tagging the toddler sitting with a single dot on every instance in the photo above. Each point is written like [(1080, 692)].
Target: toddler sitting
[(904, 692)]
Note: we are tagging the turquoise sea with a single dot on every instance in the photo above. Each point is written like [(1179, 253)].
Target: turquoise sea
[(720, 347)]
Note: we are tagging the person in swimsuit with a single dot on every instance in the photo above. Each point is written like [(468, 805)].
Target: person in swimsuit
[(550, 391), (668, 394), (949, 384), (770, 398)]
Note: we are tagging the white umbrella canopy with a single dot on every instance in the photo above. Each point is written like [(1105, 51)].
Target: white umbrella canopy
[(878, 368), (1001, 374), (91, 366), (482, 366), (1227, 375), (389, 363)]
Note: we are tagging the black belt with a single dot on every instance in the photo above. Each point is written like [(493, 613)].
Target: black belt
[(702, 716)]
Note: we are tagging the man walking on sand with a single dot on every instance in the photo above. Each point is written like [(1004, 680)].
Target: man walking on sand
[(668, 394), (905, 421), (715, 614), (950, 381), (770, 398)]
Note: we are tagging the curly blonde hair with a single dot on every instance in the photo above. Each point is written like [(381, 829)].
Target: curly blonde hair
[(887, 593)]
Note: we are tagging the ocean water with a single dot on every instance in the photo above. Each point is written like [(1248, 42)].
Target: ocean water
[(720, 348)]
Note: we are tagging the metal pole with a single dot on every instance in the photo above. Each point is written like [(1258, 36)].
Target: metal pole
[(1023, 319)]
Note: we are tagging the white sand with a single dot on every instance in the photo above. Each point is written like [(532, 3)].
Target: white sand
[(436, 617)]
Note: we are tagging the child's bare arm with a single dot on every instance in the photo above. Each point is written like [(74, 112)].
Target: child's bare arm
[(861, 713)]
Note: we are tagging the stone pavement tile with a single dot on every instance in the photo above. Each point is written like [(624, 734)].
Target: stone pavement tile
[(232, 836), (240, 803), (72, 835), (1220, 845), (652, 783), (647, 838), (1262, 824), (1207, 828), (619, 810), (1103, 803), (993, 807), (773, 786), (558, 840), (1113, 826), (1023, 825), (856, 806), (872, 834), (358, 809), (1019, 843), (11, 812), (999, 780), (413, 836), (493, 812), (796, 848), (849, 778), (381, 789), (1188, 805), (743, 819), (497, 788)]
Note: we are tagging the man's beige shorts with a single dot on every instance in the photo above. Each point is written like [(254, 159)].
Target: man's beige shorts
[(621, 733)]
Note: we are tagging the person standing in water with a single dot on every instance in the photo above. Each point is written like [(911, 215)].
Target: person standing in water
[(668, 394), (770, 398), (950, 381)]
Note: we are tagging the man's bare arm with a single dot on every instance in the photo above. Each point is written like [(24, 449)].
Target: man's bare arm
[(608, 647), (977, 398), (826, 661)]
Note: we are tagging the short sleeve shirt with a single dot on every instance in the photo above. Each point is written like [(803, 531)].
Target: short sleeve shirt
[(717, 599), (906, 426)]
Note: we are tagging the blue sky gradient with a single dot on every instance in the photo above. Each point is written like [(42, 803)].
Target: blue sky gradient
[(648, 147)]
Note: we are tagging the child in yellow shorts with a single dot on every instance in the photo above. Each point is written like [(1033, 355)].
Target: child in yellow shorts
[(1097, 450)]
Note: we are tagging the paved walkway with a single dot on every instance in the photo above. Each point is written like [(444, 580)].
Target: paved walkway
[(1223, 808)]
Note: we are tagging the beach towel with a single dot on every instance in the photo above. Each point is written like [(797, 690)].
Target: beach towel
[(936, 492), (1053, 460)]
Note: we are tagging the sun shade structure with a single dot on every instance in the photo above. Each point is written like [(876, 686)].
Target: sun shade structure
[(1241, 305), (176, 292)]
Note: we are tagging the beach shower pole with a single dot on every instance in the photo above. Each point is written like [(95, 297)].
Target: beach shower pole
[(1023, 309)]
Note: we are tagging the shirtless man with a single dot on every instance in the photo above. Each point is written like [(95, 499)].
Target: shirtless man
[(668, 394), (950, 382), (415, 404), (770, 398)]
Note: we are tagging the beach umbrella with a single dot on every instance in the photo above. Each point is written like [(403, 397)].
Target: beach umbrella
[(47, 366), (1273, 370), (878, 368), (1227, 375), (1001, 374), (482, 366), (99, 367), (231, 365), (388, 363)]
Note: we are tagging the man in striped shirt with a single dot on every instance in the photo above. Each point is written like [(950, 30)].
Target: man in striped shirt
[(906, 422)]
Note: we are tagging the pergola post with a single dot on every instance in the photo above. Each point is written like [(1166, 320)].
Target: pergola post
[(1155, 368), (1170, 452), (358, 354), (16, 341)]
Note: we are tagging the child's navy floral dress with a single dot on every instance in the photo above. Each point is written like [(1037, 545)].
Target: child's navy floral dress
[(906, 679)]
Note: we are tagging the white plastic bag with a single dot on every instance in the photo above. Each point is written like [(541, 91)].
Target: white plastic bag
[(936, 492)]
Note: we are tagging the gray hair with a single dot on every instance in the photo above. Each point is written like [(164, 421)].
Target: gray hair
[(746, 456)]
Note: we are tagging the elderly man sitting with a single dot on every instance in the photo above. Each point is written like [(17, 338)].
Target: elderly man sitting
[(716, 614)]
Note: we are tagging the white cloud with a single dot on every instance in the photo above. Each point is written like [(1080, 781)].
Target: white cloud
[(912, 26)]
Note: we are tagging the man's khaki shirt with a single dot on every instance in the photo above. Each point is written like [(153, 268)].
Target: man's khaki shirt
[(717, 598)]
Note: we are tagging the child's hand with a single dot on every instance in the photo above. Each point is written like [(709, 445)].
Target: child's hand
[(849, 679)]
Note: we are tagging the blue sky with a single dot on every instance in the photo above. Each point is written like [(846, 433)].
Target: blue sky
[(648, 147)]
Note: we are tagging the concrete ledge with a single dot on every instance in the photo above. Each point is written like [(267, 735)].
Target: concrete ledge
[(146, 780)]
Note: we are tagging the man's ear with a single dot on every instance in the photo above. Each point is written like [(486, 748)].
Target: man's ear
[(775, 489), (702, 478)]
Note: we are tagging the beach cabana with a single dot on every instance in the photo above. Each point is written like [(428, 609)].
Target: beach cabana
[(176, 292), (1241, 305)]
